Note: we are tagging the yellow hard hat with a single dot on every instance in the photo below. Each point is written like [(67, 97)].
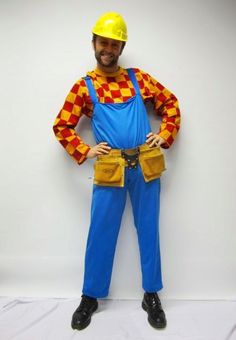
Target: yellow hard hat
[(111, 25)]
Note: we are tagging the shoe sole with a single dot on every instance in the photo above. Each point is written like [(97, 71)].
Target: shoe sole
[(152, 323), (79, 328)]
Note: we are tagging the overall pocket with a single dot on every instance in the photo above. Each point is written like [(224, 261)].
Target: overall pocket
[(109, 172), (152, 163)]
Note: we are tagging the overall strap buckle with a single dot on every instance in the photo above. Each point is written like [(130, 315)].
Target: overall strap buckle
[(131, 157)]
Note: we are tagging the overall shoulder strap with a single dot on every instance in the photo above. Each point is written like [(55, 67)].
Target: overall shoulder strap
[(133, 79), (91, 89)]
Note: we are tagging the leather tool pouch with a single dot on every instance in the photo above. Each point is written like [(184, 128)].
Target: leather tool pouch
[(152, 163), (109, 171)]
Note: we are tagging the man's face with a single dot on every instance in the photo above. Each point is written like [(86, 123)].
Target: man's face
[(107, 51)]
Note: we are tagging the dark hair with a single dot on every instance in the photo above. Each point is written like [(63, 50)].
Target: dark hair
[(94, 40)]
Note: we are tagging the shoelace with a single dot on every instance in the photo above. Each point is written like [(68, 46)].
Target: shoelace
[(154, 300), (85, 304)]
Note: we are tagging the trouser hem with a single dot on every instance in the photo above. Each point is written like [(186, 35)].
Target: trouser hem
[(95, 295), (152, 289)]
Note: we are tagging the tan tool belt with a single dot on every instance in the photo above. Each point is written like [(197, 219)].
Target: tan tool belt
[(110, 168)]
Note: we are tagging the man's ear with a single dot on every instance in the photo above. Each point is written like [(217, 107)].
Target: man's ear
[(122, 47), (93, 44)]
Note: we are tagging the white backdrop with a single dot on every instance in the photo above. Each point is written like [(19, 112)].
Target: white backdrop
[(189, 46)]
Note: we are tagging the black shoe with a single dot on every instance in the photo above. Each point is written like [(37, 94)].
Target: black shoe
[(82, 315), (152, 305)]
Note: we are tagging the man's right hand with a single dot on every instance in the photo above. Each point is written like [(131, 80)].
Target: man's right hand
[(99, 149)]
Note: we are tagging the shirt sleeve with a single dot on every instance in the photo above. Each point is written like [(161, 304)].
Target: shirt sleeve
[(166, 105), (67, 119)]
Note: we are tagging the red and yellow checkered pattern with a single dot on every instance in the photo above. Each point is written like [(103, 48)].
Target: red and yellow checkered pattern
[(115, 88)]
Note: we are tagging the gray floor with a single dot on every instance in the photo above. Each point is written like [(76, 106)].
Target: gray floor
[(49, 319)]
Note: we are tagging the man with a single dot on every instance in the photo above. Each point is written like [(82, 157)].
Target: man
[(128, 158)]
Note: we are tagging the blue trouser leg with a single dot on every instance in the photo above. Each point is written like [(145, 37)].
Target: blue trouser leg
[(107, 208), (145, 200)]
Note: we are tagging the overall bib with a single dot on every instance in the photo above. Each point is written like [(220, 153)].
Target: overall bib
[(122, 126)]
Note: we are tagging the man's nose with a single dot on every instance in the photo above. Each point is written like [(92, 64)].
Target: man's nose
[(109, 48)]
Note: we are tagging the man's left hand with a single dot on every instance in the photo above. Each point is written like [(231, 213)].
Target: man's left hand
[(153, 139)]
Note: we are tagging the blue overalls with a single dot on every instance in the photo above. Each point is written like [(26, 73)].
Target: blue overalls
[(122, 126)]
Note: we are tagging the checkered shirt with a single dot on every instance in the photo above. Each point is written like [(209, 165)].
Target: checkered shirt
[(115, 88)]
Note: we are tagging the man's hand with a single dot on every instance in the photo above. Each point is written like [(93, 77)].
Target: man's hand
[(99, 149), (153, 139)]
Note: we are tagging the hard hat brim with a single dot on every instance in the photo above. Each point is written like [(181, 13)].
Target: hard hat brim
[(109, 36)]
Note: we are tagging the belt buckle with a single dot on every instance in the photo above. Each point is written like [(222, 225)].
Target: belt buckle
[(131, 159)]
